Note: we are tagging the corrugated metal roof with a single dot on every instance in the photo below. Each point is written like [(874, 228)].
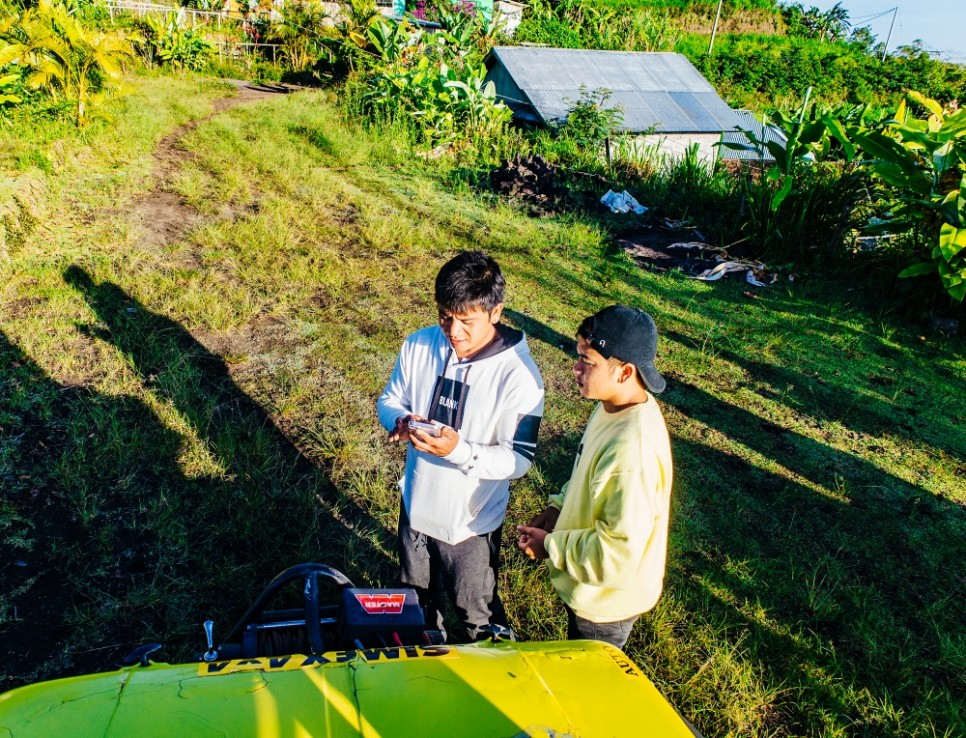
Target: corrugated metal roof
[(662, 91), (748, 122)]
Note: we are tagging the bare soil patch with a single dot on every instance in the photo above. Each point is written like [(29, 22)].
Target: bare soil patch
[(163, 215)]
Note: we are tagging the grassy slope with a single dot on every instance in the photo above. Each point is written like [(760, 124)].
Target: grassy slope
[(182, 421)]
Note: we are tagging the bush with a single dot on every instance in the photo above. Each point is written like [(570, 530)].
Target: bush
[(299, 34), (579, 24), (167, 42)]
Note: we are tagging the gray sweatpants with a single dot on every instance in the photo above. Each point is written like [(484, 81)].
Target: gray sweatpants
[(466, 572), (615, 633)]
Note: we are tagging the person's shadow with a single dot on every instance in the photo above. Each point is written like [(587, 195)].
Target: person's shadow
[(154, 510)]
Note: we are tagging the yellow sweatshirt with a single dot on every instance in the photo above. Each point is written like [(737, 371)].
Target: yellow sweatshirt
[(608, 549)]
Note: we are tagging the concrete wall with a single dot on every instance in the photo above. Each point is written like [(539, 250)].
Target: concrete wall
[(671, 145), (509, 14)]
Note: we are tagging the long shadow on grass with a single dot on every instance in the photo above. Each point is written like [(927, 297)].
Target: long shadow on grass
[(243, 503), (832, 597), (541, 332), (83, 474), (832, 391), (866, 560), (855, 377), (911, 529), (859, 407)]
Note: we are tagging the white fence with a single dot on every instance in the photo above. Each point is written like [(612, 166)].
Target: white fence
[(510, 11), (189, 16)]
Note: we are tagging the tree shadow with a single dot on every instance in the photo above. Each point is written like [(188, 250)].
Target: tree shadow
[(860, 408), (79, 469)]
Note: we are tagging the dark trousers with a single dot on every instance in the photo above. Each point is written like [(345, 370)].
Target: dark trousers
[(615, 633), (466, 572)]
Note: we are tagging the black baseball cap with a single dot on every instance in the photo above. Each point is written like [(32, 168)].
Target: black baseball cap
[(627, 334)]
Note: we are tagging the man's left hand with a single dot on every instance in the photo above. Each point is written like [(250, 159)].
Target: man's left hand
[(441, 445)]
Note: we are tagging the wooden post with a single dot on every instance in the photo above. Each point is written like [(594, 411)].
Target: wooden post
[(714, 28), (885, 47)]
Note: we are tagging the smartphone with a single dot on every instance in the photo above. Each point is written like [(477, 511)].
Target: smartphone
[(430, 429)]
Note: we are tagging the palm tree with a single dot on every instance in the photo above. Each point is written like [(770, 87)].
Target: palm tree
[(64, 58), (835, 23)]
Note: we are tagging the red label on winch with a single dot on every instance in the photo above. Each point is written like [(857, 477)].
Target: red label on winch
[(382, 604)]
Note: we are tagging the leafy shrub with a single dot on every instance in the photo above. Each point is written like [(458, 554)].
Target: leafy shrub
[(170, 43), (922, 161), (589, 123), (350, 45), (300, 34), (10, 89), (588, 132)]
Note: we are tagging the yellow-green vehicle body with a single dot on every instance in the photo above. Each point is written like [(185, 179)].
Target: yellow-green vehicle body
[(496, 689)]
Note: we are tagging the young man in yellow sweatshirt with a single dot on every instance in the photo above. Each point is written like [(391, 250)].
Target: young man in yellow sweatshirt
[(604, 536)]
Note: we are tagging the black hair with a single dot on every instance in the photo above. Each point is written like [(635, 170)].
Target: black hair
[(469, 280)]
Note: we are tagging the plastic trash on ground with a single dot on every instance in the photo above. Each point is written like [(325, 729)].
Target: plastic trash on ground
[(622, 202), (717, 272)]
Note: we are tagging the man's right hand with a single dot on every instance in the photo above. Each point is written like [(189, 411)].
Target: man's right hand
[(401, 431), (531, 541), (546, 520)]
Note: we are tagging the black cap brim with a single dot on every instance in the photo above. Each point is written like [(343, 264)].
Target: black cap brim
[(654, 381)]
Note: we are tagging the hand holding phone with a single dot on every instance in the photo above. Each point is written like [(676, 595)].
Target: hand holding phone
[(430, 429)]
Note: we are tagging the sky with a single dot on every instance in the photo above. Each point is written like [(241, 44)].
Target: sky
[(941, 24)]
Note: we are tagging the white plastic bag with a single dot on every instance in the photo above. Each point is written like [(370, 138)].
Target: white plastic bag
[(622, 203)]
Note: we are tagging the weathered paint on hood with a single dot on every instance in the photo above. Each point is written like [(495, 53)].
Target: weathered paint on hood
[(571, 688)]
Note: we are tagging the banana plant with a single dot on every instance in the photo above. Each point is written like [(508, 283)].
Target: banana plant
[(8, 83), (811, 193), (392, 41), (923, 161), (299, 33), (811, 135), (179, 46), (351, 41)]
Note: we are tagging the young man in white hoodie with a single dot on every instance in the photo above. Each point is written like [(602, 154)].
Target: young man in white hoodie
[(474, 380), (604, 536)]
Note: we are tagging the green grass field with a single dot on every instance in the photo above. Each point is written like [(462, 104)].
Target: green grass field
[(187, 390)]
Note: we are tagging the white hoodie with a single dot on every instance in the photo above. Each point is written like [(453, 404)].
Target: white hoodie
[(494, 402)]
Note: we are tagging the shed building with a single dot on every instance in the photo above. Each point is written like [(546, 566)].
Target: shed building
[(665, 100), (748, 121)]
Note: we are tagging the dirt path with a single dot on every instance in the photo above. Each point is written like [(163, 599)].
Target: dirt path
[(162, 214)]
